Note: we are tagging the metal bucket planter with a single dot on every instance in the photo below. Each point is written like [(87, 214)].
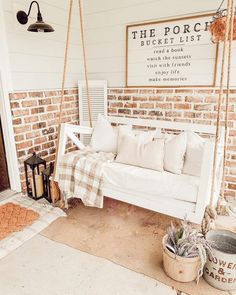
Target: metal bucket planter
[(181, 269), (220, 270)]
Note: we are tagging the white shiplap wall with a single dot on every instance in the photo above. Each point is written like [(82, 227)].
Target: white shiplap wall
[(36, 60), (106, 27)]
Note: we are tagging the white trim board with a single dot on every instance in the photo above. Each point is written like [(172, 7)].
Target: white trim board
[(5, 110)]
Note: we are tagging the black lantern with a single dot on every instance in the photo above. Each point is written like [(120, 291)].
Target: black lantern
[(47, 182), (34, 179), (39, 25)]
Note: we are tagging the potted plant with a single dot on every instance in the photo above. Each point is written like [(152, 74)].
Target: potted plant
[(185, 251), (218, 26)]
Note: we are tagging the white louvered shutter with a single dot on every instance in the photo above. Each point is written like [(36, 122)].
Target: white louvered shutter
[(98, 97)]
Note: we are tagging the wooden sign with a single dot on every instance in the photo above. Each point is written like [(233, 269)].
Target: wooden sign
[(171, 53)]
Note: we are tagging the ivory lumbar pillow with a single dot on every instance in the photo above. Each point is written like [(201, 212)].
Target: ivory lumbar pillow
[(175, 149), (194, 154), (146, 155), (142, 137)]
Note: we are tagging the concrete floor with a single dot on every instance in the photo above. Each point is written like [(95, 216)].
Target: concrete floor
[(42, 266)]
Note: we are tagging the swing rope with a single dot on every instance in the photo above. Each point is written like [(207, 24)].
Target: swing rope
[(85, 63), (55, 189), (210, 212), (220, 208)]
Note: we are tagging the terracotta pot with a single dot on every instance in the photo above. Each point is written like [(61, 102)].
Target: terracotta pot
[(181, 269), (220, 270), (218, 29)]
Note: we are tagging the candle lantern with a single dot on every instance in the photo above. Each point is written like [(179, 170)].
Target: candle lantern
[(47, 182), (34, 179)]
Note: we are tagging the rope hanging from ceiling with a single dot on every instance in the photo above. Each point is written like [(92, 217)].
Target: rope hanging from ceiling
[(228, 31), (54, 185)]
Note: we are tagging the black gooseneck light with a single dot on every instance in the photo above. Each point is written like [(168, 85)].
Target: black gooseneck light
[(39, 25)]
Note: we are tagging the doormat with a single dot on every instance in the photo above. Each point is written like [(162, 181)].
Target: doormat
[(124, 234), (14, 218), (21, 218)]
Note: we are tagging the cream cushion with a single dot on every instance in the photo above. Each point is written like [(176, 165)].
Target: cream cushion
[(175, 148), (194, 154), (104, 136), (147, 155)]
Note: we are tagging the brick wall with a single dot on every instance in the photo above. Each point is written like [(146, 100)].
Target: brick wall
[(183, 105), (35, 120)]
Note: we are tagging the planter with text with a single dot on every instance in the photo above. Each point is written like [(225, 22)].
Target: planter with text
[(220, 270)]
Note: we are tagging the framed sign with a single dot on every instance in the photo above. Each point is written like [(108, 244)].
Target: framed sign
[(171, 53)]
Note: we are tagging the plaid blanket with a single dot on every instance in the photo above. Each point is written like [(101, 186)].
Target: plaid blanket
[(80, 176)]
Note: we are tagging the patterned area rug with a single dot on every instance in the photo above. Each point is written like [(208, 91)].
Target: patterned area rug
[(21, 218), (124, 234)]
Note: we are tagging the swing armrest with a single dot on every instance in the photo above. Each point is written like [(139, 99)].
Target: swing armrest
[(205, 181), (69, 131)]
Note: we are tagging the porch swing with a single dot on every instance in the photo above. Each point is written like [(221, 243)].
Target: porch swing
[(207, 188)]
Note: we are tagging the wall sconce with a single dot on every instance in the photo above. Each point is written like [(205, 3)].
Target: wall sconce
[(39, 25)]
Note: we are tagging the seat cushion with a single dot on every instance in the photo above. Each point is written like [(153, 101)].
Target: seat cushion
[(150, 182)]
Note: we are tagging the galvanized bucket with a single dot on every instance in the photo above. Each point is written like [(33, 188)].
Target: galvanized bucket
[(220, 270)]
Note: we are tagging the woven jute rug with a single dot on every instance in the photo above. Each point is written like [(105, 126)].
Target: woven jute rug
[(22, 218), (14, 218), (124, 234)]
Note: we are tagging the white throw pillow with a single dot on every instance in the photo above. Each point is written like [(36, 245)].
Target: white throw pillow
[(175, 148), (194, 154), (104, 137), (143, 136), (147, 155)]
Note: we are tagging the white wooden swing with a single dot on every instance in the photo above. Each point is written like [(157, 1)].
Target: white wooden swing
[(209, 186)]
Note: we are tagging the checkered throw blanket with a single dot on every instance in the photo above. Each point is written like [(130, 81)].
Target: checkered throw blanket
[(80, 176)]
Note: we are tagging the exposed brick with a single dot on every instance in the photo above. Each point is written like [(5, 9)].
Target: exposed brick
[(36, 94), (140, 98), (40, 140), (37, 110), (24, 145), (193, 99), (124, 111), (52, 108), (45, 101), (20, 95), (165, 106), (29, 103), (182, 106), (139, 112), (157, 98), (15, 105), (116, 104), (17, 121), (130, 105), (39, 125), (20, 112), (183, 91), (33, 134), (19, 137), (155, 113), (146, 105), (50, 93), (202, 107), (124, 97), (22, 129), (31, 119), (174, 98)]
